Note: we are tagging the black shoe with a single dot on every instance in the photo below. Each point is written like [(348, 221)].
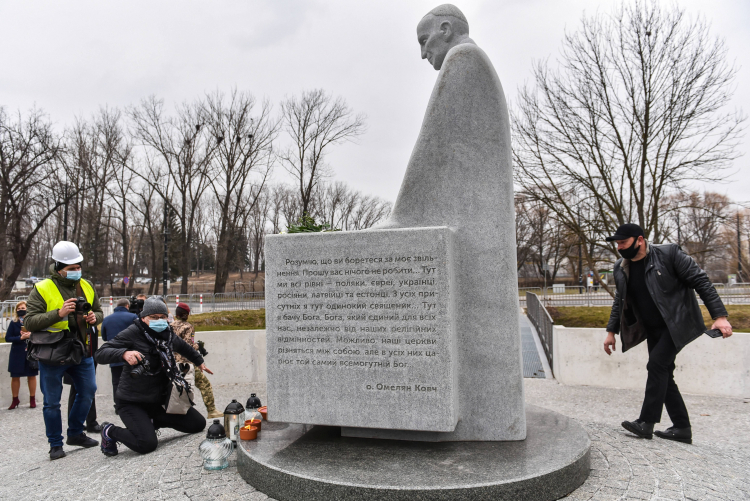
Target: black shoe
[(94, 428), (640, 428), (109, 445), (82, 440), (56, 452), (684, 435)]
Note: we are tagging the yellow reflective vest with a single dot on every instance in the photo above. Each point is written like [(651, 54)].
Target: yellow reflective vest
[(51, 295)]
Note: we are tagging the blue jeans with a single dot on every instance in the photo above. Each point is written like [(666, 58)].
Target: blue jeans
[(84, 378)]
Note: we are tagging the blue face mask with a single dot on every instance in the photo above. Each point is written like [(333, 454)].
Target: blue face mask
[(73, 275), (158, 325)]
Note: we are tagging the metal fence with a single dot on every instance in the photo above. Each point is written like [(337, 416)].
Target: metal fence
[(575, 296), (204, 303), (572, 296), (542, 322)]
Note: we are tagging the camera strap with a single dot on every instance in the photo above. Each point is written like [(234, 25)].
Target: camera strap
[(92, 337), (80, 323)]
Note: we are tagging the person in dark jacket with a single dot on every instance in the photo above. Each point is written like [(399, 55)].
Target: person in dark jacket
[(18, 366), (118, 321), (142, 390), (655, 301)]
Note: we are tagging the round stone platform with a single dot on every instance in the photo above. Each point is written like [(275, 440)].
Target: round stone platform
[(293, 462)]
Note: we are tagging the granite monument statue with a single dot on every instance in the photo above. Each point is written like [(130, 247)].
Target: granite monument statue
[(410, 330)]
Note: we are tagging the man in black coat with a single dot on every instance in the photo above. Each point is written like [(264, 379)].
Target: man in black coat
[(118, 321), (655, 301)]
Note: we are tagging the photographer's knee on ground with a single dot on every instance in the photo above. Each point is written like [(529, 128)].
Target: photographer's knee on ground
[(147, 347)]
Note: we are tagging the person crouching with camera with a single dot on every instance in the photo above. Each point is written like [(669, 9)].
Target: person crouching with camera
[(152, 386), (60, 314)]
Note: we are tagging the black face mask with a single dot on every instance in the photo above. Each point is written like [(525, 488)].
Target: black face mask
[(631, 251), (21, 313)]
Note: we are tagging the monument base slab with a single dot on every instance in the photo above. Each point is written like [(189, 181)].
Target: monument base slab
[(292, 462)]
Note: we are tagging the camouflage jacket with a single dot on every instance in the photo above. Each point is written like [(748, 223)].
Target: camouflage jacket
[(186, 332)]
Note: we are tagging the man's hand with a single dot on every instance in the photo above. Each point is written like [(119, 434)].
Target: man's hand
[(132, 357), (610, 342), (204, 368), (90, 318), (723, 325), (68, 307), (25, 335)]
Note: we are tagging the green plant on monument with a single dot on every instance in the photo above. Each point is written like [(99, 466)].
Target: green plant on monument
[(306, 224)]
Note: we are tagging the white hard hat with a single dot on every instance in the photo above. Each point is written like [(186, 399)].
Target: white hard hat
[(66, 252)]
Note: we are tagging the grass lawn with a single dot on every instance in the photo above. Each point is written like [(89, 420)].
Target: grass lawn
[(598, 316), (229, 320)]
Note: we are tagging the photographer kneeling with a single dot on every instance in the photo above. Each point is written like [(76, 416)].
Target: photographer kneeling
[(148, 348)]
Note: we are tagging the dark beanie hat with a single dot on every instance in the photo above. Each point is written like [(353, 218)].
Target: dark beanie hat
[(154, 305)]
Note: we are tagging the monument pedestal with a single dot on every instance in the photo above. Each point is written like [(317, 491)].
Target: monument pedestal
[(292, 462)]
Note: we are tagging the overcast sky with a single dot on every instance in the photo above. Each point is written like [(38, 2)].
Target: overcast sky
[(72, 57)]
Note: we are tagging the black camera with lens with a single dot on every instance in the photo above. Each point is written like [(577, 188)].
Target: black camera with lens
[(136, 305), (202, 348), (142, 369), (82, 306)]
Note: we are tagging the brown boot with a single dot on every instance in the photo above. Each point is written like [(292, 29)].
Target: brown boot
[(32, 401), (213, 413)]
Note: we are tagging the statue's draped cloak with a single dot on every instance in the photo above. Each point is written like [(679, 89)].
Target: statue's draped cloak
[(460, 175)]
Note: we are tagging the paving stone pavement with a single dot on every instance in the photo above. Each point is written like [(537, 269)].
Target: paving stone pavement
[(716, 467)]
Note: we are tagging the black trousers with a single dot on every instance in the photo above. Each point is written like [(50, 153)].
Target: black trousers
[(139, 433), (661, 390), (91, 416), (116, 373)]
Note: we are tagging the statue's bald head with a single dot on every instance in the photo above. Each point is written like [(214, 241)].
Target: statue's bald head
[(439, 31), (449, 10)]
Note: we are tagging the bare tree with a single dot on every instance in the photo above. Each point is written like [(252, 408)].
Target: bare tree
[(346, 209), (368, 212), (549, 241), (333, 203), (121, 185), (30, 187), (242, 164), (180, 151), (290, 205), (278, 196), (524, 232), (738, 233), (90, 159), (699, 220), (635, 109), (315, 121), (258, 228)]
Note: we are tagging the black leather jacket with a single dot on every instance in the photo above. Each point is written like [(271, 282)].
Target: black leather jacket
[(144, 389), (672, 279)]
